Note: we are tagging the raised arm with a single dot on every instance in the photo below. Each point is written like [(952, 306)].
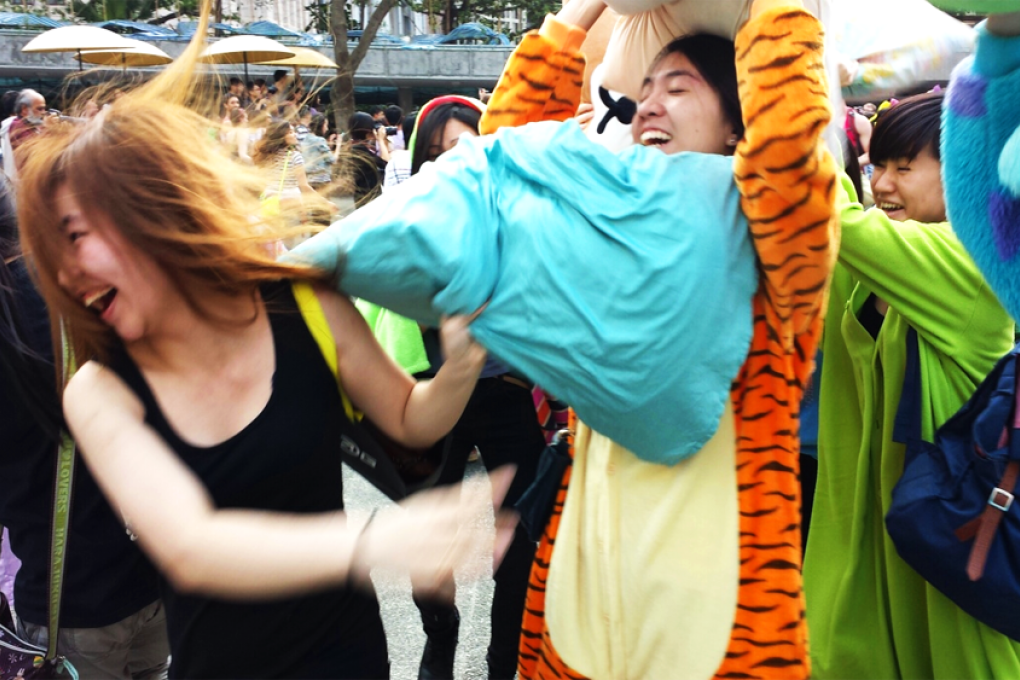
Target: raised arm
[(923, 272), (785, 175), (543, 78), (981, 155), (249, 554), (417, 414)]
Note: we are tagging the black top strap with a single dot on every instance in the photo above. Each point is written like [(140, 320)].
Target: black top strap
[(907, 426)]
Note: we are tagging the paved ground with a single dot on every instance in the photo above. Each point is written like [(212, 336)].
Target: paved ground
[(400, 616)]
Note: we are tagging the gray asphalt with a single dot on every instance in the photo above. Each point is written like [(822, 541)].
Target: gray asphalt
[(400, 616)]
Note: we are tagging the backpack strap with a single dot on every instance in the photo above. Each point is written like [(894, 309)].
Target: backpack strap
[(984, 527), (315, 319), (359, 450), (61, 509), (58, 542)]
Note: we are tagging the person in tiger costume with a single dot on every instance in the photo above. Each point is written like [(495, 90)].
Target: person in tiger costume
[(693, 571), (682, 569)]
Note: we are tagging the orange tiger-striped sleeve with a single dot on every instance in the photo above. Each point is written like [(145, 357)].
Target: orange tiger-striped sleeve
[(787, 183), (542, 80), (786, 177)]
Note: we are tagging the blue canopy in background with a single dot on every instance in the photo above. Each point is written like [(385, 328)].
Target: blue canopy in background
[(140, 30), (26, 20)]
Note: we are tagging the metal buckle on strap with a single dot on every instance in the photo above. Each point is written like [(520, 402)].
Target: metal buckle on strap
[(1000, 499), (561, 435)]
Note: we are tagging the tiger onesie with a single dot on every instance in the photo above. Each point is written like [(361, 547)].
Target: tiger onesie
[(704, 579)]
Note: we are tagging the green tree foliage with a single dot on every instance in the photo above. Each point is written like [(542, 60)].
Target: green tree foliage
[(319, 12), (448, 14), (131, 10), (105, 10), (348, 61)]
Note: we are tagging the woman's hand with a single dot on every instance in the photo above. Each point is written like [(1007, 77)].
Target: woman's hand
[(435, 532), (460, 351)]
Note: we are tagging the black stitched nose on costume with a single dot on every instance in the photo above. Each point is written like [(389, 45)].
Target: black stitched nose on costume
[(622, 109)]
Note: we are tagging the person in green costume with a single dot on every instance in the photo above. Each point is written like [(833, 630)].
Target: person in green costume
[(900, 266)]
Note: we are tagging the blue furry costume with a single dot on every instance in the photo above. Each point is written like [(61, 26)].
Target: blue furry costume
[(981, 161)]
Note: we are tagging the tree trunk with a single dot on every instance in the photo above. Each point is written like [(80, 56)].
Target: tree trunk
[(342, 95)]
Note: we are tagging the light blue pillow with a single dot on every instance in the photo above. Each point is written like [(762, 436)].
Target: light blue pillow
[(621, 283)]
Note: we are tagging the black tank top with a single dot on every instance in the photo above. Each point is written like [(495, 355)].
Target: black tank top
[(288, 460)]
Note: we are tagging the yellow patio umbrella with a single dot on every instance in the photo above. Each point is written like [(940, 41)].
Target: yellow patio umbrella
[(245, 49), (139, 54), (78, 39), (303, 57)]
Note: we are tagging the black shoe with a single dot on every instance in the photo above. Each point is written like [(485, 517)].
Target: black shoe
[(440, 651)]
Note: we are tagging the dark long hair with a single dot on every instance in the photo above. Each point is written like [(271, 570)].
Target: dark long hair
[(434, 123), (713, 57), (908, 128), (318, 125)]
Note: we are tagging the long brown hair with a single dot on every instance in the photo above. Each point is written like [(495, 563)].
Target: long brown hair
[(186, 204), (272, 143)]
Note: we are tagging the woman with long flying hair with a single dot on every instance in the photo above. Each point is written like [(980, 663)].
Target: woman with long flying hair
[(208, 411), (112, 624)]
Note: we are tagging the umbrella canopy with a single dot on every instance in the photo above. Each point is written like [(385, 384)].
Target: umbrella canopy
[(77, 39), (245, 49), (140, 54), (304, 58)]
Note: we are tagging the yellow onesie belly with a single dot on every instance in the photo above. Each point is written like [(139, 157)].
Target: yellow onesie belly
[(663, 605)]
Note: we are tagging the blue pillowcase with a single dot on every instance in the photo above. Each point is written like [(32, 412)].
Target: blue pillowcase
[(621, 283)]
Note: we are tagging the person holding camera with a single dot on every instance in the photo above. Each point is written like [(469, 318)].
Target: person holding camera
[(367, 156), (394, 130)]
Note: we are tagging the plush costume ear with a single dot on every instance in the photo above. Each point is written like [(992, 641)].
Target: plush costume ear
[(1009, 164), (613, 112), (646, 26), (610, 125)]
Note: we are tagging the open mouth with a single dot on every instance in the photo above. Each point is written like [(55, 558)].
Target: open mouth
[(655, 138), (101, 300), (889, 207)]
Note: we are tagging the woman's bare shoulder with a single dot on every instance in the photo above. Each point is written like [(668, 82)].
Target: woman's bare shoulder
[(94, 386)]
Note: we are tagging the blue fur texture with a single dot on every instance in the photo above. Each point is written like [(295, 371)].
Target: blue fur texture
[(981, 161)]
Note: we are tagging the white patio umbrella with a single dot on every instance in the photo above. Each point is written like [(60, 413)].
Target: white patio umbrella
[(77, 39), (245, 49)]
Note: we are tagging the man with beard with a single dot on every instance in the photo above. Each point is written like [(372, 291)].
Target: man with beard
[(30, 109)]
